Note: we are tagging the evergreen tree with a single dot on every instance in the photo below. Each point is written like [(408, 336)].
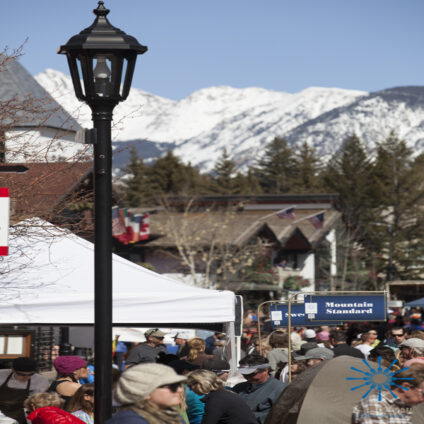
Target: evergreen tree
[(308, 166), (253, 185), (137, 181), (397, 202), (348, 174), (169, 175), (165, 173), (205, 184), (246, 184), (277, 168), (224, 171)]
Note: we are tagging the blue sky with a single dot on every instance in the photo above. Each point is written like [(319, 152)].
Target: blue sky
[(276, 44)]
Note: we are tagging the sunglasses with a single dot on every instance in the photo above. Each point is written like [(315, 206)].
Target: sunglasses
[(171, 387), (24, 374)]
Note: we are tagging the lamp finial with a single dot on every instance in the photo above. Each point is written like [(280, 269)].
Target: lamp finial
[(101, 10)]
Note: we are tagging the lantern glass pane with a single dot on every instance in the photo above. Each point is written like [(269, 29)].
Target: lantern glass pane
[(129, 71), (124, 72), (80, 74), (102, 76)]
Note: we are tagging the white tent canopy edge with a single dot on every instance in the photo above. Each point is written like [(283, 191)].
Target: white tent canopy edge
[(48, 278)]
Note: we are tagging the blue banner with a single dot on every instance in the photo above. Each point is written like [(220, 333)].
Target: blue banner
[(345, 308), (280, 316), (330, 310)]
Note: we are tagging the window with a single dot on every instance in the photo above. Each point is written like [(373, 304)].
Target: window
[(14, 345)]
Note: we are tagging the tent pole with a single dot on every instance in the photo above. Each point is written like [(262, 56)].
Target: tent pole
[(234, 350), (238, 349)]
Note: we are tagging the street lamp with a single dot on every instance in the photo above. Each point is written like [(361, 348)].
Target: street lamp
[(104, 58)]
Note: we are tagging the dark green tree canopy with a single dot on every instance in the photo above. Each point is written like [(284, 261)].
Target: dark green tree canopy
[(308, 169), (224, 174), (137, 180), (348, 173), (168, 175), (276, 170), (398, 204)]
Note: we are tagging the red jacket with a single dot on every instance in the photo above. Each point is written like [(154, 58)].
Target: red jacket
[(52, 415)]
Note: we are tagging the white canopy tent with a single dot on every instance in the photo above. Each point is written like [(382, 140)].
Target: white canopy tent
[(48, 278)]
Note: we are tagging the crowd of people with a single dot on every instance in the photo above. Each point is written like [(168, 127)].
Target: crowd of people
[(397, 344), (191, 381)]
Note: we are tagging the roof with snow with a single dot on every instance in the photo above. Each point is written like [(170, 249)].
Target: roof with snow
[(18, 87)]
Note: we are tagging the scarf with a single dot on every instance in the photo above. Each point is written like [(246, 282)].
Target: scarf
[(155, 415)]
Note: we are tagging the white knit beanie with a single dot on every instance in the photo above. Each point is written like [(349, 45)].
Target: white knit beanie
[(140, 380)]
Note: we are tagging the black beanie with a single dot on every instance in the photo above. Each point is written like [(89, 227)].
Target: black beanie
[(24, 364)]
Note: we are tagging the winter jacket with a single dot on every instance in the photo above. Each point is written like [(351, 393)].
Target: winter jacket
[(260, 397), (225, 407), (52, 415), (195, 406), (126, 417)]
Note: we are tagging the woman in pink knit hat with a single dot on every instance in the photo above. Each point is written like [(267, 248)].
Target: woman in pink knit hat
[(69, 370)]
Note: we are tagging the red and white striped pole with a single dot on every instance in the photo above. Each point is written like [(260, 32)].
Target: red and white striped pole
[(4, 221)]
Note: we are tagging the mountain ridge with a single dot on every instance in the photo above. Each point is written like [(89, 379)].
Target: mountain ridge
[(243, 120)]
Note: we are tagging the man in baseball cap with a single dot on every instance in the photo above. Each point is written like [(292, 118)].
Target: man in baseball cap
[(181, 339), (260, 390), (412, 348), (156, 333), (149, 350)]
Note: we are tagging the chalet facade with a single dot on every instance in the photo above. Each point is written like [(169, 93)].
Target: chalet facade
[(293, 247)]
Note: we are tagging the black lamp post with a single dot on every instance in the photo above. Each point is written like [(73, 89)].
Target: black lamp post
[(104, 58)]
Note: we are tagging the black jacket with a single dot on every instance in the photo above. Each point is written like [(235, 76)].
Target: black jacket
[(225, 407)]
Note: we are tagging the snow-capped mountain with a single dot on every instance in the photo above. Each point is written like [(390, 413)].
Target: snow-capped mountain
[(372, 118), (200, 126)]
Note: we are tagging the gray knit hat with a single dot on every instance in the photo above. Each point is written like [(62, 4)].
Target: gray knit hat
[(319, 353), (140, 380)]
